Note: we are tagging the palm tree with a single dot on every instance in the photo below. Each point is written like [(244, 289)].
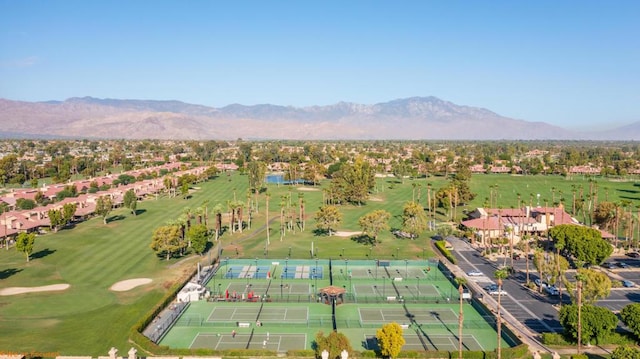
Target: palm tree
[(526, 257), (500, 275), (267, 195), (461, 282), (579, 278), (217, 211)]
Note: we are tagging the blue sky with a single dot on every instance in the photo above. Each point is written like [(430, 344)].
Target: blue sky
[(571, 63)]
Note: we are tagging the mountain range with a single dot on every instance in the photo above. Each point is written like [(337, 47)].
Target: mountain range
[(415, 118)]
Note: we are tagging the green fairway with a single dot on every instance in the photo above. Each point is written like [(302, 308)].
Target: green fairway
[(88, 318)]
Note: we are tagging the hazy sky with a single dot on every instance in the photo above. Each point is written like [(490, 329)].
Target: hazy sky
[(570, 63)]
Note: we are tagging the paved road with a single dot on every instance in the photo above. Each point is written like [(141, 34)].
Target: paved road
[(534, 310)]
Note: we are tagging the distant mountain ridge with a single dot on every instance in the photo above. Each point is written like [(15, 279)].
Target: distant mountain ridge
[(415, 118)]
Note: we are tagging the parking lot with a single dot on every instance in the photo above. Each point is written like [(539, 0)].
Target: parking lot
[(538, 311)]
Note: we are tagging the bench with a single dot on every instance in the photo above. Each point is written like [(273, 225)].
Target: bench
[(244, 325)]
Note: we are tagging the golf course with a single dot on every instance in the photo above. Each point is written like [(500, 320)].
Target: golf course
[(87, 285)]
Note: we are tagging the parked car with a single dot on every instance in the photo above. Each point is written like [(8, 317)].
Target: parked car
[(538, 282), (633, 254), (491, 287), (474, 273), (516, 256), (623, 265), (552, 290), (497, 291), (628, 284), (607, 265)]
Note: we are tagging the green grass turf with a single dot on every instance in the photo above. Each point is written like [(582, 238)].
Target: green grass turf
[(87, 319)]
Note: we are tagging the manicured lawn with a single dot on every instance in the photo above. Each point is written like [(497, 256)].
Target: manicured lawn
[(88, 318)]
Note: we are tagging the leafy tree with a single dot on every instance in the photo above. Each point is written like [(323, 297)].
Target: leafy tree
[(597, 322), (414, 220), (390, 339), (353, 182), (25, 203), (198, 236), (313, 172), (595, 285), (166, 240), (625, 352), (328, 218), (400, 170), (256, 171), (25, 242), (55, 219), (184, 190), (125, 179), (68, 210), (375, 222), (131, 200), (103, 207), (630, 316), (68, 191), (605, 214), (583, 243), (334, 344)]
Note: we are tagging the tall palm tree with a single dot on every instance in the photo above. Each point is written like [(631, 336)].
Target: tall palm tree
[(267, 195), (579, 278), (217, 211), (500, 275), (461, 282)]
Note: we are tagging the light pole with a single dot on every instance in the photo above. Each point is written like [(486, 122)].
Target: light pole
[(406, 269), (377, 263), (289, 251), (384, 285), (346, 267), (342, 254), (315, 277), (219, 289), (316, 264)]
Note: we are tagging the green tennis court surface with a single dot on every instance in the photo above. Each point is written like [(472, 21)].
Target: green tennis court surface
[(424, 341), (276, 342), (277, 305)]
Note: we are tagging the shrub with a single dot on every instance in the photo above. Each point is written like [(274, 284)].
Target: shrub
[(445, 252), (554, 339)]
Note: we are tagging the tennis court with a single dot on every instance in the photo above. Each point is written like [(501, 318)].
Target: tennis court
[(384, 290), (379, 316), (301, 272), (422, 341), (260, 312), (268, 341), (248, 271), (284, 300)]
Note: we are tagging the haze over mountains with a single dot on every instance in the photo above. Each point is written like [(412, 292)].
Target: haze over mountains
[(415, 118)]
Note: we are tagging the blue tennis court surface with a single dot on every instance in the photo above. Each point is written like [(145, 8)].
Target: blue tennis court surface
[(302, 272)]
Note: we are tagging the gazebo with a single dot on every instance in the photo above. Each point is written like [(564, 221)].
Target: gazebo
[(332, 293)]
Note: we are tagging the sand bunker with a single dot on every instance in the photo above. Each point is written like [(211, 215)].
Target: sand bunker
[(307, 189), (346, 234), (130, 284), (22, 290)]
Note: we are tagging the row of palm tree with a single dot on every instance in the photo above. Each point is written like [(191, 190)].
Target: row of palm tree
[(500, 275)]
